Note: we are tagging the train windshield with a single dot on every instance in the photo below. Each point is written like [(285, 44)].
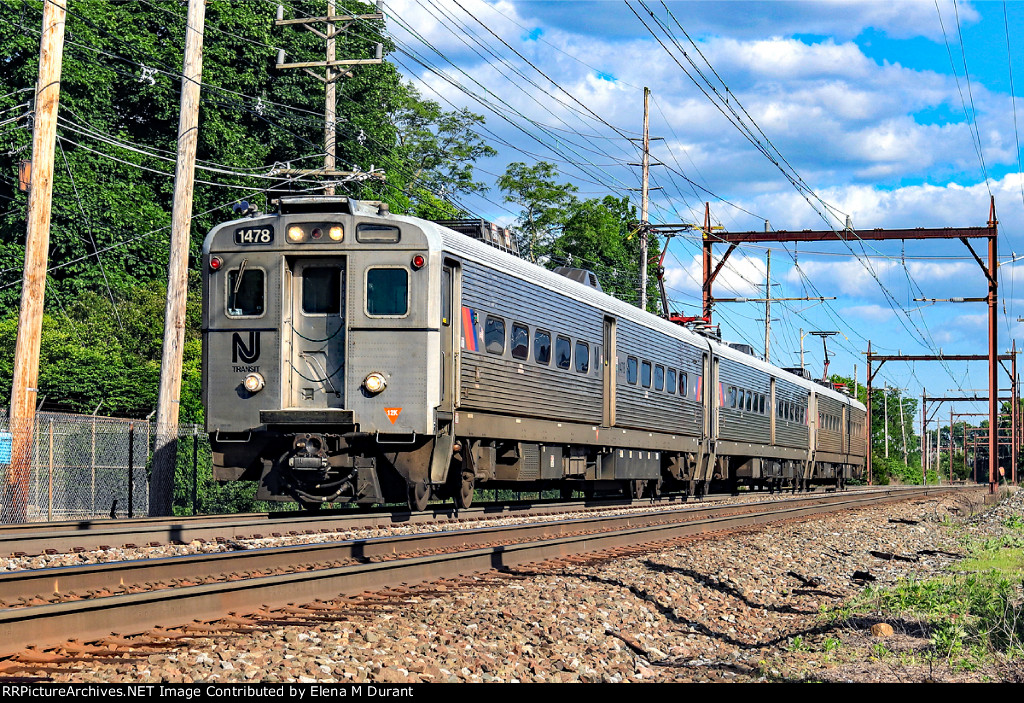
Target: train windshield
[(245, 295), (387, 292)]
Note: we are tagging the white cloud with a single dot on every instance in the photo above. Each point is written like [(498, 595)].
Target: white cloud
[(873, 313), (742, 277)]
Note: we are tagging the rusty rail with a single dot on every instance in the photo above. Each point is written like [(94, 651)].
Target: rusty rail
[(92, 618)]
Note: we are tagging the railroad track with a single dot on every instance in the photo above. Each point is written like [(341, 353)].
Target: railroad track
[(89, 535), (45, 607)]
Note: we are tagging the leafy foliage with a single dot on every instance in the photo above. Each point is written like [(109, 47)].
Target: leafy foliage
[(545, 203), (113, 179)]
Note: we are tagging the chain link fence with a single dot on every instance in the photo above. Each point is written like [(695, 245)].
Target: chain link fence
[(79, 467)]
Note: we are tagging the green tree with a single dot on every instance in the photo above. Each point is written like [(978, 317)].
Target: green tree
[(545, 203), (439, 150), (113, 180), (597, 236)]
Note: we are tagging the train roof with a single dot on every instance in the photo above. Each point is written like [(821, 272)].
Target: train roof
[(474, 250)]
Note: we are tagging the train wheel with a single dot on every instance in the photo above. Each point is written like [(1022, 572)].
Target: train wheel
[(419, 496), (636, 489), (654, 489), (464, 496)]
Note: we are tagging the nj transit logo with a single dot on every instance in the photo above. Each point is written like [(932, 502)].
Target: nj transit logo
[(243, 352)]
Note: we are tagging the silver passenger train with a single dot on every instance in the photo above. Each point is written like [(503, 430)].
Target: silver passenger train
[(353, 355)]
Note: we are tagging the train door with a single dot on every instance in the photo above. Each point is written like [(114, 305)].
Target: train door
[(846, 431), (315, 362), (450, 321), (772, 415), (712, 398), (610, 372)]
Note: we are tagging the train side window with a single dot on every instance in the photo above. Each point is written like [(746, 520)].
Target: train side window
[(631, 370), (563, 352), (387, 292), (542, 347), (750, 401), (740, 398), (321, 290), (446, 296), (670, 382), (245, 298), (494, 335), (645, 374), (730, 397), (582, 357), (659, 377), (682, 384), (520, 341)]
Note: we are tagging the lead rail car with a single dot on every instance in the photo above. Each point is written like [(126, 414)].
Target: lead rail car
[(353, 355)]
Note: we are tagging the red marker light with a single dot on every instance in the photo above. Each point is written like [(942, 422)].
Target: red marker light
[(418, 261), (317, 233), (216, 262)]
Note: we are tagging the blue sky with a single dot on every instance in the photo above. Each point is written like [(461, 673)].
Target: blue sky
[(859, 99)]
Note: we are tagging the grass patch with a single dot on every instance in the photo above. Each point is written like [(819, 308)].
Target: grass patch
[(1006, 562), (968, 616)]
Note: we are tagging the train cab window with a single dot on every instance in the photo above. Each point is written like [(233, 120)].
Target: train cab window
[(563, 352), (321, 290), (542, 347), (659, 377), (520, 341), (631, 370), (682, 384), (670, 382), (387, 292), (245, 297), (494, 335), (645, 374), (582, 357)]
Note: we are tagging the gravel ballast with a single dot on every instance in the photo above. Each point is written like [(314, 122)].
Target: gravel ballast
[(739, 607)]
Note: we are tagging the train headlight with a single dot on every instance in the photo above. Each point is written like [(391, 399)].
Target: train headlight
[(254, 383), (336, 233), (375, 383), (295, 234)]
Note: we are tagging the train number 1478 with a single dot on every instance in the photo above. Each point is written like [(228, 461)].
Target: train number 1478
[(254, 235)]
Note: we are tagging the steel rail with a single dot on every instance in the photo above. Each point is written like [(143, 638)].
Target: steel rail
[(109, 576), (68, 536), (134, 613)]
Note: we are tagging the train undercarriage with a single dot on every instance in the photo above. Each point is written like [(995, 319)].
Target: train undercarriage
[(316, 468)]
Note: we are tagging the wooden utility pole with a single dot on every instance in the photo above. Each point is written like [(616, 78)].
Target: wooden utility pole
[(333, 72), (645, 186), (37, 244), (331, 99), (165, 449)]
